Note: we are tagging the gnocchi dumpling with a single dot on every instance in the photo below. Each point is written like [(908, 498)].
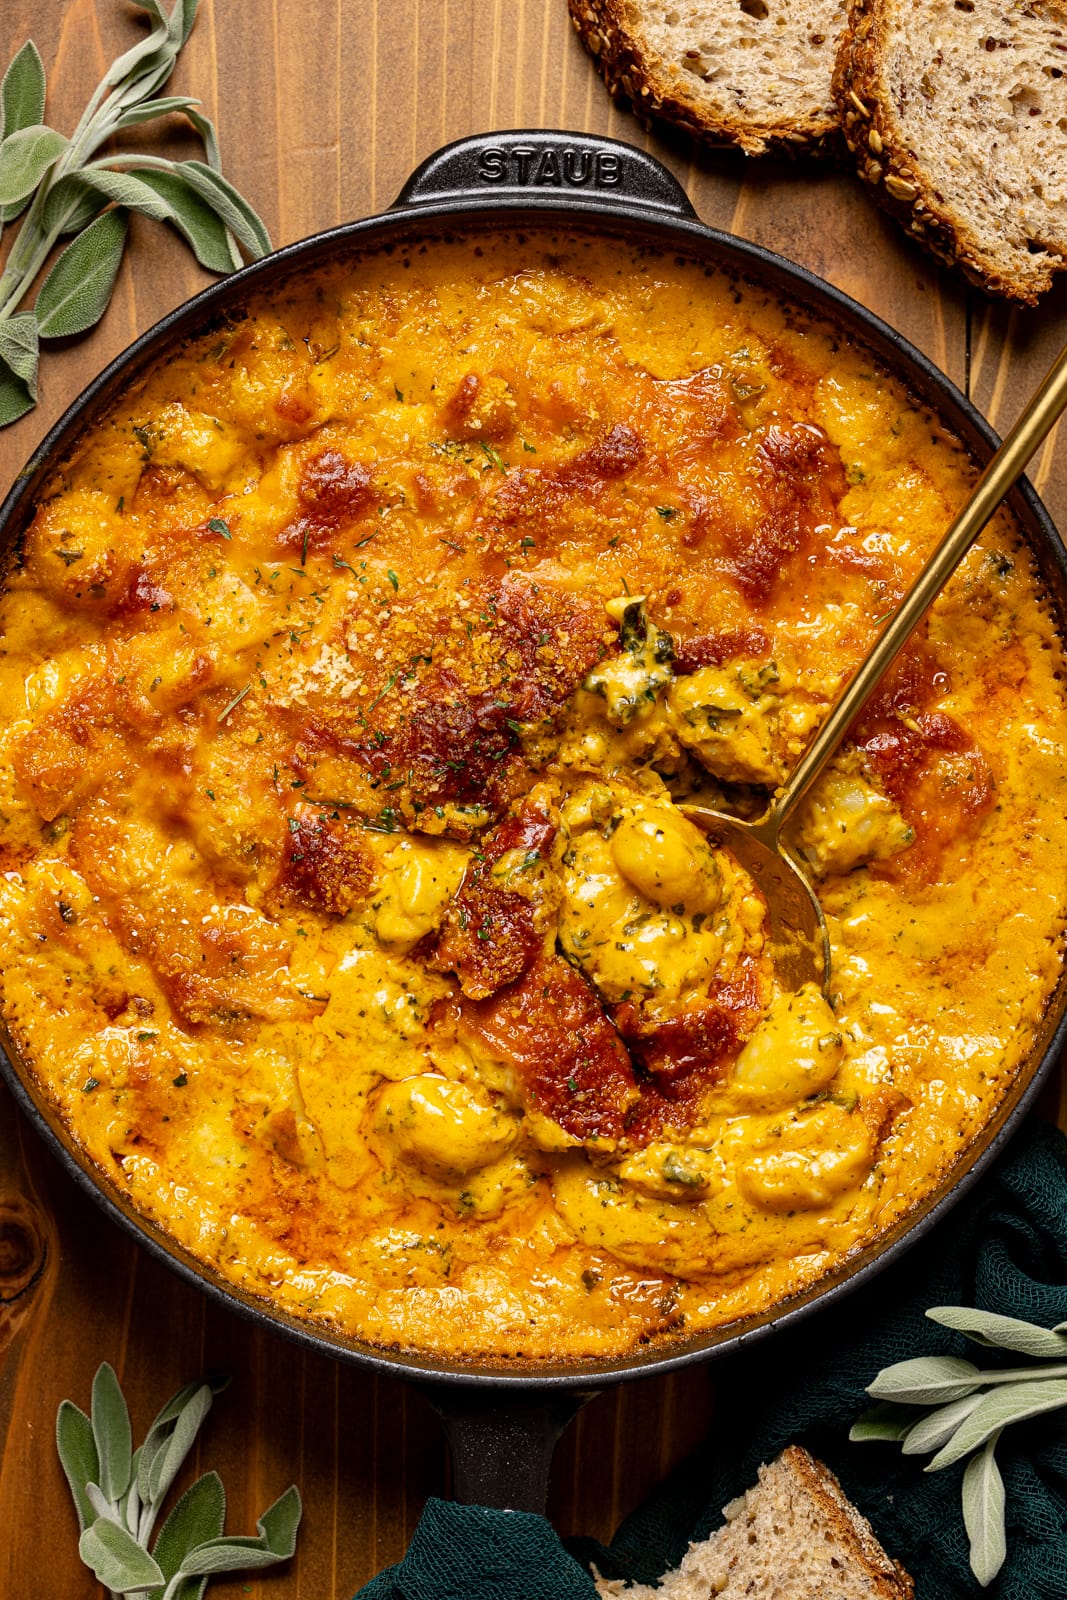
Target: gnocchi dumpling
[(795, 1052), (673, 1171), (440, 1126), (667, 859), (846, 822), (730, 722), (641, 898), (203, 445), (817, 1158), (418, 880), (644, 1231)]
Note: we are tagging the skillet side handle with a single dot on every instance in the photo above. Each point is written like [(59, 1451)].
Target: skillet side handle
[(502, 1442), (546, 165)]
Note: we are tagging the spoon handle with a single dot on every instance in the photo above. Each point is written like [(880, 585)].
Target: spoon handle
[(1007, 465)]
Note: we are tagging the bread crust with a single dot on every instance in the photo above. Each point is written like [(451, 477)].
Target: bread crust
[(896, 176), (751, 1554), (634, 71), (888, 1577)]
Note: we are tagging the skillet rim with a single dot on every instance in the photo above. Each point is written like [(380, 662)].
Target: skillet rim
[(642, 222)]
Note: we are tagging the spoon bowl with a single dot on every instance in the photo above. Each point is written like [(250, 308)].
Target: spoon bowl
[(797, 933), (797, 937)]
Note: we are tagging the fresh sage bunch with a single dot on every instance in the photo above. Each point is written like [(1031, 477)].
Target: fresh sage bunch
[(84, 185), (119, 1493), (948, 1406)]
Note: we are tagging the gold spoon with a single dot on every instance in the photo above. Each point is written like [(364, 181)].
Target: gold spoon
[(798, 937)]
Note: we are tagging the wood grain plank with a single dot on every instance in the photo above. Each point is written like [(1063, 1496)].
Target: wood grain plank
[(1012, 350), (307, 110)]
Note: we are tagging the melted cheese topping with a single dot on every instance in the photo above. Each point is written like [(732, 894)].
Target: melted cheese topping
[(353, 671)]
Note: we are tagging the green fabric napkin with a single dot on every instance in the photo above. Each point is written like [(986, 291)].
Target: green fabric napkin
[(1004, 1247)]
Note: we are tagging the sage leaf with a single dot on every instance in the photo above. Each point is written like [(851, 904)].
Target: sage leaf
[(230, 206), (938, 1426), (155, 9), (211, 241), (102, 1506), (163, 1427), (198, 1518), (130, 1504), (885, 1422), (148, 110), (117, 1560), (148, 66), (280, 1523), (168, 1460), (142, 59), (78, 1456), (76, 292), (116, 1529), (926, 1380), (156, 70), (71, 197), (206, 129), (181, 20), (128, 191), (70, 204), (998, 1332), (18, 348), (111, 1431), (983, 1514), (242, 1554), (182, 1588), (178, 1401), (276, 1541), (25, 157), (22, 95), (22, 91), (1012, 1403), (15, 396)]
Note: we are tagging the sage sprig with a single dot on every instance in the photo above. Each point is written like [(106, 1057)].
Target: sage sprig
[(83, 185), (948, 1407), (119, 1493)]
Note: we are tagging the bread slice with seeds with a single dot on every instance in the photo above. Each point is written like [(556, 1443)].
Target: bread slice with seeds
[(956, 111), (752, 73), (794, 1536)]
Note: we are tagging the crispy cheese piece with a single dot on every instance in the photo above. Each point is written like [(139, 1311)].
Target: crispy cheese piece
[(569, 1062)]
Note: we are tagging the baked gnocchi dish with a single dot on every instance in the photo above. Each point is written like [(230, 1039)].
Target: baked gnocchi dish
[(357, 668)]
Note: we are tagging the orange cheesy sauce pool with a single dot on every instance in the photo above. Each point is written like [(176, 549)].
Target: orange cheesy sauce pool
[(352, 670)]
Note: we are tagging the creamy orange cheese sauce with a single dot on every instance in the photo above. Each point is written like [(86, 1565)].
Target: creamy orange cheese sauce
[(353, 670)]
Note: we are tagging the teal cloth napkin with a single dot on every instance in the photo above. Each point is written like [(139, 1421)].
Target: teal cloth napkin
[(1004, 1247)]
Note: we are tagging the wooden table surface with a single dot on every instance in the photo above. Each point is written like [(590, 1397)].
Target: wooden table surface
[(323, 108)]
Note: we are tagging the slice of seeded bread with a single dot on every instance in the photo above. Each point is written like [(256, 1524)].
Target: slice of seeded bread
[(956, 111), (793, 1536), (753, 73)]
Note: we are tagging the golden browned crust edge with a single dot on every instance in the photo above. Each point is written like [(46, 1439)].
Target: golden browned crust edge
[(849, 1525), (896, 177), (611, 31)]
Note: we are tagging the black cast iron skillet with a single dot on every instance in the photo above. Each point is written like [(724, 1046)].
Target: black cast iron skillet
[(503, 1419)]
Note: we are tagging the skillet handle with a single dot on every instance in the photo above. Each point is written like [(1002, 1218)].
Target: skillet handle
[(502, 1441), (546, 167)]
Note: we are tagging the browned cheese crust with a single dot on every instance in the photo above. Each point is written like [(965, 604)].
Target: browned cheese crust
[(357, 672)]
